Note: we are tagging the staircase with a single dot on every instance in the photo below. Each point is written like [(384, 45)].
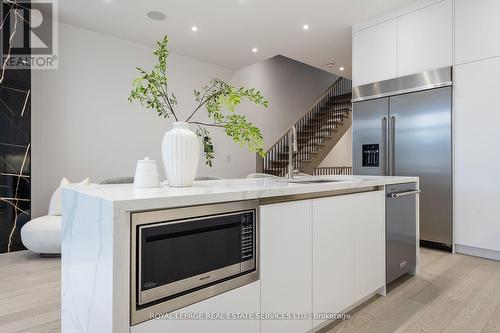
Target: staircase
[(318, 131)]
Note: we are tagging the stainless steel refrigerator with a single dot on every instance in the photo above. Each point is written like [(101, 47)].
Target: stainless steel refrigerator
[(402, 127)]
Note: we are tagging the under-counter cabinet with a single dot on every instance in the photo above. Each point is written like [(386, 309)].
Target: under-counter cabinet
[(348, 250), (333, 255), (241, 300), (285, 265), (320, 256), (369, 243)]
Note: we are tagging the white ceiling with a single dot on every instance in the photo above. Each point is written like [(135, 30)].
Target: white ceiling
[(229, 29)]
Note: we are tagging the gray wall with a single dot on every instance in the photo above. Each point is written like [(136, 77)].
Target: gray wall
[(83, 125), (291, 88)]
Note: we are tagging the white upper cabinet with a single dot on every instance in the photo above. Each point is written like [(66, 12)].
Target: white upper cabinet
[(425, 38), (410, 40), (374, 53), (477, 30)]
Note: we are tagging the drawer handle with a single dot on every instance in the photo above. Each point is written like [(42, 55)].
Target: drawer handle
[(402, 194)]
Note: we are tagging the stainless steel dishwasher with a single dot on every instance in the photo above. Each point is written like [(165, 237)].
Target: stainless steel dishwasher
[(401, 230)]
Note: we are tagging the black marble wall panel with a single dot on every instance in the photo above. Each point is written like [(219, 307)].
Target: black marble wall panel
[(15, 128)]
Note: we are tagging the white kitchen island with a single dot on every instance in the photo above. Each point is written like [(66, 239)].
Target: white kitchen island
[(321, 251)]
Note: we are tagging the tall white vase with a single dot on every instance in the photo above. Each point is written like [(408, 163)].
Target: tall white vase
[(181, 153)]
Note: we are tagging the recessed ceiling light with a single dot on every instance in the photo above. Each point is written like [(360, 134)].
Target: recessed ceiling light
[(255, 50), (107, 1), (330, 64), (156, 15), (341, 68), (305, 27), (194, 28)]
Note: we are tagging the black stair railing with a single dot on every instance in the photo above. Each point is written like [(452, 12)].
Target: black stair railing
[(319, 123), (328, 171)]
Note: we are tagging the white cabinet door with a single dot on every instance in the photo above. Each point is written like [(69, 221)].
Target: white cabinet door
[(425, 39), (369, 243), (476, 159), (285, 265), (333, 256), (374, 53), (477, 27), (245, 299)]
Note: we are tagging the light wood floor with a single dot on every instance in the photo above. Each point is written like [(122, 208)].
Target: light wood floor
[(29, 293), (453, 294)]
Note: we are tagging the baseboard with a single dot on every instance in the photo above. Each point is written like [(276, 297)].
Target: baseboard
[(477, 252), (435, 245), (50, 255), (328, 324)]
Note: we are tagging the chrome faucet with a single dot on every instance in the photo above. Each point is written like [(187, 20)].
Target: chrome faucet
[(292, 148)]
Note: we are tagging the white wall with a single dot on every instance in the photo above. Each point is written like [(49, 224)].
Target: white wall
[(341, 154), (83, 125)]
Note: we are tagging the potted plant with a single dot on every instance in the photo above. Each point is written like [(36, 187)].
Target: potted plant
[(181, 146)]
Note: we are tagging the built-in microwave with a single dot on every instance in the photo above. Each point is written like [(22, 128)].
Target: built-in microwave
[(184, 255)]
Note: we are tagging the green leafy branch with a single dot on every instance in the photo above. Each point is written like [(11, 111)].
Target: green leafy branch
[(151, 89), (219, 99)]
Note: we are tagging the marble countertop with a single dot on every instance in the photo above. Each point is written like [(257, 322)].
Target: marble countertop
[(213, 191)]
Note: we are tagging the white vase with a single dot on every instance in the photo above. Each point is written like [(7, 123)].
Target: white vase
[(181, 153)]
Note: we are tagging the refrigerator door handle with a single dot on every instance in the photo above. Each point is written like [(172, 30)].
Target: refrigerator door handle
[(392, 146), (385, 143)]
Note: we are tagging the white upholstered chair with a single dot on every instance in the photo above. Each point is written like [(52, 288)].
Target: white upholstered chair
[(43, 234)]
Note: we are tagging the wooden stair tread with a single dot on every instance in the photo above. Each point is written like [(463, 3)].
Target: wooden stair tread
[(325, 123)]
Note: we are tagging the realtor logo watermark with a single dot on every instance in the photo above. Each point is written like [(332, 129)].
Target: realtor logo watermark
[(28, 34)]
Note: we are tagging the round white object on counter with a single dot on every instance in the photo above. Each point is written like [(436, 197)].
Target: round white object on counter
[(146, 174)]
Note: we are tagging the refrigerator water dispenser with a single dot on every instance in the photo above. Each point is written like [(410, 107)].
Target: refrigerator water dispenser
[(370, 155)]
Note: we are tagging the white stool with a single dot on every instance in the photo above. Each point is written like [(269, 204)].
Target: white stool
[(43, 235)]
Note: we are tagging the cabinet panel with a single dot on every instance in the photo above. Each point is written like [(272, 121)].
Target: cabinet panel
[(286, 264), (476, 158), (476, 30), (245, 299), (333, 254), (374, 53), (425, 39), (369, 243)]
